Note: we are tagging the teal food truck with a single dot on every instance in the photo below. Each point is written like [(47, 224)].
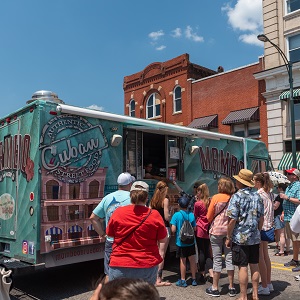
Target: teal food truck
[(58, 161)]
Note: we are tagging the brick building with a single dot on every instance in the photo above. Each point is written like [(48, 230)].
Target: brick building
[(180, 92)]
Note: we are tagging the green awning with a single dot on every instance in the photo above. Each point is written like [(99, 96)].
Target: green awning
[(286, 161), (286, 94)]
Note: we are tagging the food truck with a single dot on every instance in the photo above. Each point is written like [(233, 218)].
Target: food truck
[(58, 161)]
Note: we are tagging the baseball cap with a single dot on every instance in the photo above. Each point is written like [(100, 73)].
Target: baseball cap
[(183, 202), (140, 186), (125, 179), (293, 171)]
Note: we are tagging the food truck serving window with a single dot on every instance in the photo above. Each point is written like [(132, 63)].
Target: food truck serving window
[(163, 152)]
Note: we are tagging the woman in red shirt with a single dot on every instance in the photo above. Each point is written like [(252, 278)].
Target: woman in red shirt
[(136, 230)]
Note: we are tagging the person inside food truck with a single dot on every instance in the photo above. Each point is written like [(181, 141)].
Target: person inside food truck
[(148, 174)]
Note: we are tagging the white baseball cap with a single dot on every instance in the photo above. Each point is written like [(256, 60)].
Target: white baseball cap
[(125, 179), (140, 186)]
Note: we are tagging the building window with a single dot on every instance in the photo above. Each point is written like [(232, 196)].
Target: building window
[(251, 130), (294, 48), (297, 109), (238, 130), (132, 108), (292, 5), (52, 189), (153, 106), (177, 99), (94, 189)]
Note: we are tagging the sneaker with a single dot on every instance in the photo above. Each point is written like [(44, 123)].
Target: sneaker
[(263, 291), (181, 282), (296, 269), (271, 288), (202, 279), (232, 292), (292, 263), (297, 277), (211, 292), (194, 282)]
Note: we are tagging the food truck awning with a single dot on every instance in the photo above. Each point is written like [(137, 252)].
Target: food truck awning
[(146, 125)]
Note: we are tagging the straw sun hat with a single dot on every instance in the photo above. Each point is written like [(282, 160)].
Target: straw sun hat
[(245, 177)]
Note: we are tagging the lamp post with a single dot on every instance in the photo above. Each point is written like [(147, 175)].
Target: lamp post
[(289, 68)]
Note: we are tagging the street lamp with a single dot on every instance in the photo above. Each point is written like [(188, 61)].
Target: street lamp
[(289, 67)]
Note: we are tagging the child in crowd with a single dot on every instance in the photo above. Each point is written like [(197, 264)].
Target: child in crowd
[(184, 250)]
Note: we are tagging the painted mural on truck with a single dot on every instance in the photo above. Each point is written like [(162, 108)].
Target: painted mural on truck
[(72, 181)]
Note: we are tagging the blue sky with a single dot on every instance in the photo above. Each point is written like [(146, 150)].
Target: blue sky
[(82, 49)]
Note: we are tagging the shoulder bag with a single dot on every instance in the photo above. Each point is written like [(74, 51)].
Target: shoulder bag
[(209, 225)]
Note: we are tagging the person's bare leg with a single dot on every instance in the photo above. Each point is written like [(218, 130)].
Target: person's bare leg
[(162, 251), (216, 278), (262, 265), (193, 266), (267, 262), (182, 267), (296, 245), (230, 274), (243, 279), (255, 280)]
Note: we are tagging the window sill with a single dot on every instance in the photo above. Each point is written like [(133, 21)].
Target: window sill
[(155, 118), (177, 112)]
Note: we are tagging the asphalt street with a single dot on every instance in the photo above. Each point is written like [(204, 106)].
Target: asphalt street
[(76, 282)]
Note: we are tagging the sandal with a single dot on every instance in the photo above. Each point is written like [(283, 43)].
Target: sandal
[(279, 254)]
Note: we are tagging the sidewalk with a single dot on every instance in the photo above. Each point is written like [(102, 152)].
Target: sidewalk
[(285, 286)]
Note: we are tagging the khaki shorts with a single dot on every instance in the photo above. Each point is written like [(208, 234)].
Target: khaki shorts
[(291, 234)]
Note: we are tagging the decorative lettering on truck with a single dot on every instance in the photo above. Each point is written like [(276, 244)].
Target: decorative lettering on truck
[(219, 161), (14, 156), (71, 148)]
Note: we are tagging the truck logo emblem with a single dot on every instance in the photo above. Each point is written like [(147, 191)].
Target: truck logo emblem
[(71, 148)]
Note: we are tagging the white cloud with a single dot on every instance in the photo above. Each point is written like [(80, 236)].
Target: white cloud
[(176, 33), (246, 16), (96, 107), (251, 39), (155, 35), (162, 47), (189, 34)]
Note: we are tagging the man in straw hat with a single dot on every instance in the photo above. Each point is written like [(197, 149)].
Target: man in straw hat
[(245, 212), (291, 199)]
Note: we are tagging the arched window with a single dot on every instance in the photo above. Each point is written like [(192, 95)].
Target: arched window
[(94, 189), (153, 106), (177, 99), (52, 189), (132, 108)]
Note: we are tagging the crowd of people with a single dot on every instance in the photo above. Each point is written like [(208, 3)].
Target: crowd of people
[(238, 222)]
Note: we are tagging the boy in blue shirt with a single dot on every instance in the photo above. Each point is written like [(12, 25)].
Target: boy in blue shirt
[(184, 250)]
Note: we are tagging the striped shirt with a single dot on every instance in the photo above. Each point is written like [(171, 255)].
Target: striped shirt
[(267, 199)]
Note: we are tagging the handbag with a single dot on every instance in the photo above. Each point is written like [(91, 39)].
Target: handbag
[(268, 235), (209, 225)]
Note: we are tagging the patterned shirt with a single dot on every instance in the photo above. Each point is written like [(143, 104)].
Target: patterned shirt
[(246, 207), (293, 191)]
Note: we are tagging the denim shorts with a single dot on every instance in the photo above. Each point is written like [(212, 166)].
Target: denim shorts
[(107, 253), (278, 223), (147, 274)]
